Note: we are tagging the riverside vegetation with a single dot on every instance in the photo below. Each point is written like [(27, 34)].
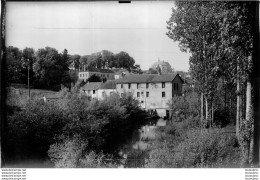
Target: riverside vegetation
[(77, 131)]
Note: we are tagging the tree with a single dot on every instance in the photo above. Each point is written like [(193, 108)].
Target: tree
[(152, 71), (107, 58), (74, 60), (219, 36), (14, 65), (94, 78), (164, 66), (137, 69), (51, 68), (123, 60)]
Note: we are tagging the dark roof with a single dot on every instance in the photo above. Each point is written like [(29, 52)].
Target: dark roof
[(92, 86), (92, 69), (145, 78), (110, 84)]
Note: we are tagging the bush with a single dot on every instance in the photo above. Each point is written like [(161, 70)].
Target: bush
[(31, 130), (106, 124), (184, 106), (198, 149), (67, 153), (71, 154)]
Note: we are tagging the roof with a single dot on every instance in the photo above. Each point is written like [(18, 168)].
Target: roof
[(145, 78), (92, 69), (110, 84), (120, 71), (92, 86)]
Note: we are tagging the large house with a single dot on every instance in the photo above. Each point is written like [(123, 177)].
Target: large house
[(152, 90), (99, 90), (104, 74), (106, 89)]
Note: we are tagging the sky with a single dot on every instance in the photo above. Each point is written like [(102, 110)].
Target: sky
[(138, 28)]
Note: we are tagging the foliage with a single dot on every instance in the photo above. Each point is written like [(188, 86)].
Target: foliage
[(74, 61), (184, 106), (105, 124), (197, 148), (94, 78), (51, 68), (219, 37), (66, 154), (164, 65), (32, 130), (70, 154)]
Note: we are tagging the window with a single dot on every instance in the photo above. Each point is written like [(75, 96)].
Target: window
[(107, 75), (129, 85), (147, 94), (147, 85), (163, 94), (138, 94), (121, 85), (103, 94), (142, 93), (94, 91), (79, 75), (163, 84), (137, 85), (121, 94)]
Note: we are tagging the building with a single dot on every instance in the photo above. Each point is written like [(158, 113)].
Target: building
[(99, 90), (91, 88), (152, 90), (106, 89), (120, 73), (104, 74)]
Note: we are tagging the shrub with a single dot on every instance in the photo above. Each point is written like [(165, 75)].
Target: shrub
[(184, 106), (31, 130), (200, 148), (67, 153), (71, 154)]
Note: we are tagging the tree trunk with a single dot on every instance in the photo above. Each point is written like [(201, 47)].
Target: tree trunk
[(212, 114), (239, 108), (243, 115), (207, 110), (201, 109), (247, 144)]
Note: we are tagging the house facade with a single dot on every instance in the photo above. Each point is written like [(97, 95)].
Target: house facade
[(106, 89), (153, 91), (99, 90), (91, 89), (104, 74)]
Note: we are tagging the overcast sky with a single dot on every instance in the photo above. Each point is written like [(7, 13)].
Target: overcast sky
[(86, 27)]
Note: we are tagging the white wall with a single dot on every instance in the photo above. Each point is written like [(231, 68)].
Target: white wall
[(86, 75), (106, 91), (155, 99)]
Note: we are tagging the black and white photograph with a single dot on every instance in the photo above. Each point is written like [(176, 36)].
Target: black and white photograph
[(138, 84)]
